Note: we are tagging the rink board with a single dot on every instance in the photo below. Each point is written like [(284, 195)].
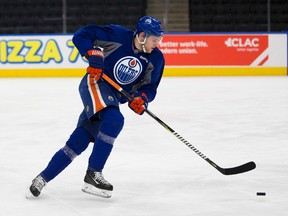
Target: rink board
[(237, 54), (168, 71)]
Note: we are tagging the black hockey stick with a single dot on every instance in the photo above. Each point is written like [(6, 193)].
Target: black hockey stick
[(226, 171)]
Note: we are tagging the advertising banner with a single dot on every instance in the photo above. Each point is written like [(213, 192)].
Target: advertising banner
[(214, 50), (185, 55), (40, 51), (226, 54)]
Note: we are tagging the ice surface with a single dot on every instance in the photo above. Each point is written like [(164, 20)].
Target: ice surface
[(232, 120)]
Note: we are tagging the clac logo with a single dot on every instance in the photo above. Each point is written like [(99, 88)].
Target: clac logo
[(242, 42)]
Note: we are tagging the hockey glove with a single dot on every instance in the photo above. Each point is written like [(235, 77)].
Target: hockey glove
[(139, 103), (96, 62)]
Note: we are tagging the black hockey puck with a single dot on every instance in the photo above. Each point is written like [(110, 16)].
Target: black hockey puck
[(261, 194)]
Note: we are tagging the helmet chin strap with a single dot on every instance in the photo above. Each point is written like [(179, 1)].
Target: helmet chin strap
[(142, 43)]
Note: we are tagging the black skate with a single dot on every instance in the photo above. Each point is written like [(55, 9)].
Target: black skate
[(96, 184), (36, 187)]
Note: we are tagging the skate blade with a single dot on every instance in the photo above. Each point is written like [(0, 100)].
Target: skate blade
[(90, 189), (28, 194)]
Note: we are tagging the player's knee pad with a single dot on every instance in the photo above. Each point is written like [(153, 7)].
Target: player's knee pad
[(112, 121), (77, 143)]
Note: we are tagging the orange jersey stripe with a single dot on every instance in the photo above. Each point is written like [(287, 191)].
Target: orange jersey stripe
[(98, 102)]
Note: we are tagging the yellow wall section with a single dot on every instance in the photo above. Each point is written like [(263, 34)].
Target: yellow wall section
[(65, 72), (169, 71), (217, 71)]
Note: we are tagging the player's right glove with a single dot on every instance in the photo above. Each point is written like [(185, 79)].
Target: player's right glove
[(139, 103), (96, 62)]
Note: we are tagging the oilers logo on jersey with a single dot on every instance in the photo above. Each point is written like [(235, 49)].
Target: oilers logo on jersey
[(127, 69)]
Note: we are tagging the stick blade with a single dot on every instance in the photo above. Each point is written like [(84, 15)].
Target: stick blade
[(233, 170), (239, 169)]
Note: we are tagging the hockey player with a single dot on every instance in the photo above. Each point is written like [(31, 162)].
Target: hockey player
[(132, 60)]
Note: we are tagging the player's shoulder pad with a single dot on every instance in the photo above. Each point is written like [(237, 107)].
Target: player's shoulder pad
[(157, 54)]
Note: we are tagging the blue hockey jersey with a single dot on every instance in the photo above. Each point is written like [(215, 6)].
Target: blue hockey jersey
[(123, 63)]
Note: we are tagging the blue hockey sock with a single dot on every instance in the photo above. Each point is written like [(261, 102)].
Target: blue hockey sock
[(57, 164), (75, 145), (99, 156), (112, 123)]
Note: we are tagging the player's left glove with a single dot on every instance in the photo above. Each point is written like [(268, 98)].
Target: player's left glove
[(139, 103), (96, 62)]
